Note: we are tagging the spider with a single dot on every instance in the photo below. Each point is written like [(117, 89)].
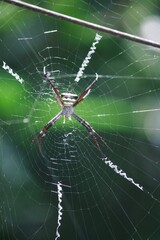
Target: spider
[(68, 101)]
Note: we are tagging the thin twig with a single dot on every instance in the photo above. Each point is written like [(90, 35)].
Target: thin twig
[(87, 24)]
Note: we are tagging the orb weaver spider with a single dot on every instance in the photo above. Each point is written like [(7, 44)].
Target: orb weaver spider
[(68, 101)]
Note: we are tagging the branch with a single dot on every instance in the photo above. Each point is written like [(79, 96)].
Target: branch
[(87, 24)]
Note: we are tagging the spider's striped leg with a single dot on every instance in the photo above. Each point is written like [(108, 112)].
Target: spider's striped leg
[(85, 92), (44, 130), (46, 75), (93, 133)]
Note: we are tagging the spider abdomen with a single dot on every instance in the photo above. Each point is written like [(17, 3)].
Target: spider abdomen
[(69, 98)]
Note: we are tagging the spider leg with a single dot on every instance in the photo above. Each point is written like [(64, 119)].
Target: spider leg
[(93, 133), (44, 130), (46, 75), (85, 92)]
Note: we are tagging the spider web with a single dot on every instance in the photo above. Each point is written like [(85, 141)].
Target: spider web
[(68, 188)]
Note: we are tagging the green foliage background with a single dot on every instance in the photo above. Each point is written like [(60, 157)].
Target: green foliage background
[(116, 57)]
